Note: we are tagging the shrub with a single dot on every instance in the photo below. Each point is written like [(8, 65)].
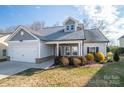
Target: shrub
[(57, 60), (100, 57), (64, 61), (77, 62), (113, 48), (90, 57), (120, 51), (70, 60), (108, 49), (110, 54), (116, 56), (95, 58), (83, 60), (109, 57)]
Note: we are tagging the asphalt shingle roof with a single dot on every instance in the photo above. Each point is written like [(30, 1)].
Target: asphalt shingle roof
[(61, 35), (57, 33), (121, 37), (94, 35)]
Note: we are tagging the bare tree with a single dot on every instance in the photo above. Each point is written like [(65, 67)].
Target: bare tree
[(10, 29), (100, 24), (36, 26), (56, 24)]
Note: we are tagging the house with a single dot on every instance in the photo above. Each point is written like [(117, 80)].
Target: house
[(121, 41), (71, 39), (3, 44)]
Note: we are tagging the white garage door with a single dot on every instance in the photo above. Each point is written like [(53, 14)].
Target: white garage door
[(24, 54)]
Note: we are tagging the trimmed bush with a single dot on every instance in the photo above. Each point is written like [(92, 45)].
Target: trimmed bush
[(83, 60), (76, 62), (110, 54), (95, 58), (110, 57), (90, 57), (116, 56), (64, 61), (70, 60), (100, 57)]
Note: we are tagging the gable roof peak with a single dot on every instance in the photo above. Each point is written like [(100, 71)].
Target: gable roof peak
[(71, 18)]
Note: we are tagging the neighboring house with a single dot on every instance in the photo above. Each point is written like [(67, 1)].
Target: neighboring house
[(3, 44), (71, 39), (121, 41)]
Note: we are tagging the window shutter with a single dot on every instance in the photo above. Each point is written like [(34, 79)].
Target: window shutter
[(97, 49), (87, 49)]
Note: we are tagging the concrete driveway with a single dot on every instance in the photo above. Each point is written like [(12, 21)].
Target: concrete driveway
[(9, 68)]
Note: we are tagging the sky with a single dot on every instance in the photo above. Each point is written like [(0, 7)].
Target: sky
[(23, 15), (15, 15)]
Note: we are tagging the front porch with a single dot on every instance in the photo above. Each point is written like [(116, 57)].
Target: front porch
[(67, 48)]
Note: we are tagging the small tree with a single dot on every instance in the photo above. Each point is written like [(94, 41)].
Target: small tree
[(116, 56), (108, 49)]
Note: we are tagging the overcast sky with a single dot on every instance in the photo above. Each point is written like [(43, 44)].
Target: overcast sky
[(21, 15)]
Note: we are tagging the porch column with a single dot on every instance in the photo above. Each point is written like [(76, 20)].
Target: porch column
[(57, 49), (79, 49)]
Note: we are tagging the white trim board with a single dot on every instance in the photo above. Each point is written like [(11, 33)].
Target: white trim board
[(65, 42)]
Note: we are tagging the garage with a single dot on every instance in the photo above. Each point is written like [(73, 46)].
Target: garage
[(26, 51), (23, 54), (23, 46)]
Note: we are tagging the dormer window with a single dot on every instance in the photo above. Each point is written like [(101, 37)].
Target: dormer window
[(70, 24), (67, 28), (70, 27)]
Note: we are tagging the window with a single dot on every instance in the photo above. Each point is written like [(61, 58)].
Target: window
[(74, 50), (70, 27), (4, 52), (67, 50), (67, 28), (92, 49), (70, 50)]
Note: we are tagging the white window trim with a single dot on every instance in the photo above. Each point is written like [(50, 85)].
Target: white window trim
[(70, 48)]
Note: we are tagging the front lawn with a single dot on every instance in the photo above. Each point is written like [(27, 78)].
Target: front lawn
[(92, 75)]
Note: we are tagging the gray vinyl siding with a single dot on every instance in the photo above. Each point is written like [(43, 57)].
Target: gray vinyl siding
[(25, 36)]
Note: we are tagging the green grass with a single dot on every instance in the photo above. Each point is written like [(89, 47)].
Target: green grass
[(110, 75), (92, 75)]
